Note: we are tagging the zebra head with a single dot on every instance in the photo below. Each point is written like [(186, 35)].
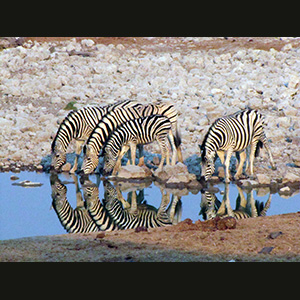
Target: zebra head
[(59, 191), (90, 194), (109, 163), (207, 162), (90, 161), (58, 159)]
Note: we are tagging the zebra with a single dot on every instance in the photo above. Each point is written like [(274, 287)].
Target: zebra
[(141, 130), (95, 208), (137, 215), (169, 111), (73, 220), (128, 135), (79, 125), (245, 208), (234, 133), (116, 117)]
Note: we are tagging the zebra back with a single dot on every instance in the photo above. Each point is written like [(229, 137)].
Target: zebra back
[(142, 131), (79, 124)]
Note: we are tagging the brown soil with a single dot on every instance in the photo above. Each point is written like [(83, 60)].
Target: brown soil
[(178, 44), (271, 238)]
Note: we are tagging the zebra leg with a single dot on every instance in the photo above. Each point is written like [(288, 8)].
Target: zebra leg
[(133, 152), (79, 144), (266, 144), (163, 150), (243, 156), (221, 155), (227, 162), (251, 158), (141, 154), (118, 163), (121, 198), (173, 147)]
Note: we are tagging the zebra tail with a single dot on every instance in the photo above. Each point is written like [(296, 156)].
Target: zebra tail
[(177, 141), (258, 146)]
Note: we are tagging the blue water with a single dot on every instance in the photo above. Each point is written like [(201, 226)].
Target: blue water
[(28, 211)]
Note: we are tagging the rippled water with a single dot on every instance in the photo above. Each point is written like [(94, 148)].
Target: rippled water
[(34, 211)]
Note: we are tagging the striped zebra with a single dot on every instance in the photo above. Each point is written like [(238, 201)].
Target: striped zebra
[(95, 208), (79, 125), (234, 133), (144, 215), (117, 117), (139, 131), (245, 208), (169, 111), (73, 220)]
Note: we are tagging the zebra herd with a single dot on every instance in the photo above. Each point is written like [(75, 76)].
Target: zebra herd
[(112, 130), (114, 212), (120, 126)]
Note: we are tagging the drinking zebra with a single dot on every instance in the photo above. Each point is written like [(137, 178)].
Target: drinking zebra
[(169, 111), (73, 220), (79, 125), (138, 131), (231, 134), (117, 117), (128, 135)]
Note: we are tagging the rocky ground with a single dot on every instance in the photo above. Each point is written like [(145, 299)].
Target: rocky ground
[(205, 78)]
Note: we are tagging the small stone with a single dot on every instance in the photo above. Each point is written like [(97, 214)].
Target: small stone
[(266, 250), (66, 167), (87, 43), (131, 172), (290, 177), (39, 168), (263, 179), (140, 228), (155, 160), (285, 189), (100, 235), (13, 177), (273, 235)]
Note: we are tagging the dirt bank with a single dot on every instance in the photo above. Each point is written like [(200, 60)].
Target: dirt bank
[(271, 238)]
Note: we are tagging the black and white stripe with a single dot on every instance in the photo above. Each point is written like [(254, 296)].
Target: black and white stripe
[(73, 220), (169, 111), (139, 131), (96, 209), (79, 125), (231, 134), (144, 216)]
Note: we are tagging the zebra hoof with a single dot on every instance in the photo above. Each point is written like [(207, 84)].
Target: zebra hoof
[(227, 180)]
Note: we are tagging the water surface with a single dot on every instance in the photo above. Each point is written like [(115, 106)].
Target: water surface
[(34, 211)]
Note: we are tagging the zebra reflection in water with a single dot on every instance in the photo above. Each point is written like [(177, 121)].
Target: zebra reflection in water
[(73, 220), (114, 212), (134, 212), (245, 207)]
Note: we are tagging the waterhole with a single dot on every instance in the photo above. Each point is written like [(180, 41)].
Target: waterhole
[(35, 204)]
